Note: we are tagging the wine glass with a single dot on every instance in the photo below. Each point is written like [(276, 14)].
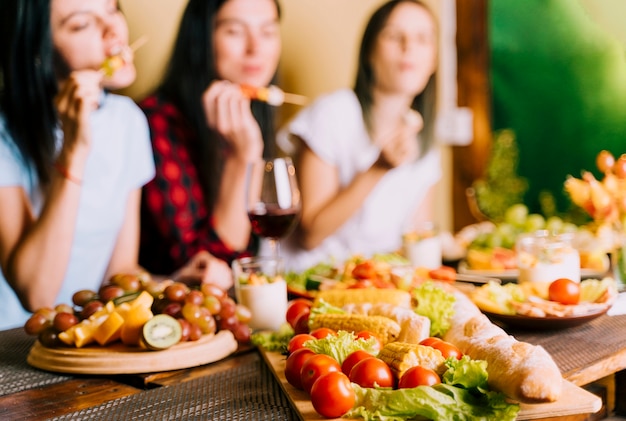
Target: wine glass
[(272, 199)]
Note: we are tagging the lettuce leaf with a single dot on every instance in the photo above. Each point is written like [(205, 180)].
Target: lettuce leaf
[(436, 304), (439, 402), (467, 373), (342, 345), (274, 341)]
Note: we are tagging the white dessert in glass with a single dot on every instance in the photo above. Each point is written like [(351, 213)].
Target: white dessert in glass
[(260, 286), (544, 257), (423, 246)]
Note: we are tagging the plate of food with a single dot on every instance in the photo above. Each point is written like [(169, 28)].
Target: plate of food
[(544, 306)]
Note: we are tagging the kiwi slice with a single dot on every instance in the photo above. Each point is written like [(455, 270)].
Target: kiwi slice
[(161, 332)]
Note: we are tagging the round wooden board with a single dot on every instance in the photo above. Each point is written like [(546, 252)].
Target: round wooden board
[(121, 359)]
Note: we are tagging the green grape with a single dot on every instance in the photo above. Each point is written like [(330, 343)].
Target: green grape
[(569, 227), (554, 224), (534, 222), (516, 215), (495, 240)]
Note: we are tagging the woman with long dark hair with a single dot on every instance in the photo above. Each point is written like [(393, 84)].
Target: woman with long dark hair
[(73, 156), (205, 131), (366, 159)]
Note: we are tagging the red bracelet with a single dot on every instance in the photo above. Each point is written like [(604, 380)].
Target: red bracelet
[(66, 174)]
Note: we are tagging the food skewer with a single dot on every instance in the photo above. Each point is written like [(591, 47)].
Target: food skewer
[(273, 95), (112, 63)]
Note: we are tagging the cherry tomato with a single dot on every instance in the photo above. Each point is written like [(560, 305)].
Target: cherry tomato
[(365, 270), (444, 273), (564, 291), (619, 168), (365, 334), (293, 366), (447, 349), (302, 323), (370, 372), (298, 341), (429, 341), (332, 395), (296, 308), (322, 332), (418, 376), (352, 359), (314, 367)]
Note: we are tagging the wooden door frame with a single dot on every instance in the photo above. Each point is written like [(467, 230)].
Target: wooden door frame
[(474, 92)]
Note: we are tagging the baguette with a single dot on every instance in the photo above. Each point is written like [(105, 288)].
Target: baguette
[(520, 370)]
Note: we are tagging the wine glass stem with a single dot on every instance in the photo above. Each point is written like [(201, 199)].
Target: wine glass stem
[(274, 245)]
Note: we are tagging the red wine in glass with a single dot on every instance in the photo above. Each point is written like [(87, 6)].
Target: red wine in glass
[(272, 199), (273, 222)]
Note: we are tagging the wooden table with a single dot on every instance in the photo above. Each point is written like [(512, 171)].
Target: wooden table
[(242, 387)]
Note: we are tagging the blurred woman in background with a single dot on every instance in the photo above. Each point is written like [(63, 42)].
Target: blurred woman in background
[(366, 159), (205, 131)]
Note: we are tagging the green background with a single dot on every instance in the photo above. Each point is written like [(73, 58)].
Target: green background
[(559, 81)]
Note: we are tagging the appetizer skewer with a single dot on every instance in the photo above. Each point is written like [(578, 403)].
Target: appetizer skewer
[(273, 95), (116, 61)]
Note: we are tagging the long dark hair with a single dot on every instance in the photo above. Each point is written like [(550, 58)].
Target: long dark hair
[(28, 81), (424, 103), (191, 69)]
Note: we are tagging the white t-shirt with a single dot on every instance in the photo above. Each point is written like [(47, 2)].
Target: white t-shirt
[(334, 129), (120, 161)]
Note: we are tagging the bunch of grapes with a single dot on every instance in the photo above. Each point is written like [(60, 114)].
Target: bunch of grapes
[(202, 310), (518, 220)]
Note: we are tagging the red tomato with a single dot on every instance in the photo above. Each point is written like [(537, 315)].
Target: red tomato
[(364, 270), (293, 366), (429, 341), (370, 372), (444, 273), (302, 323), (564, 291), (447, 349), (322, 332), (332, 395), (352, 359), (314, 367), (296, 308), (298, 341), (367, 335), (418, 376)]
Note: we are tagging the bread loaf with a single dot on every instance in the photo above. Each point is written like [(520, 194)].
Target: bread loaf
[(520, 370)]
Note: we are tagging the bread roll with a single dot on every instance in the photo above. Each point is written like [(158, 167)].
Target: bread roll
[(520, 370)]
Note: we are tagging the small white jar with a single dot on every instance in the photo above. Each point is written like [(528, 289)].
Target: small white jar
[(544, 257)]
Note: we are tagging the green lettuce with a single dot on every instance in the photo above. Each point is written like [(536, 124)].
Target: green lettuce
[(341, 345), (274, 341), (439, 402), (436, 304), (463, 395)]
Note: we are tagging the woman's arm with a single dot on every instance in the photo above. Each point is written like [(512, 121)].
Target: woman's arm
[(228, 112), (325, 206), (35, 251)]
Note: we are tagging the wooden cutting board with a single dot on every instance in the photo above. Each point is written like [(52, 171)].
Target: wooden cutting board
[(118, 358), (574, 400)]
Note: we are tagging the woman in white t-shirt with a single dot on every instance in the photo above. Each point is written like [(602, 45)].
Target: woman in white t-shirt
[(365, 157), (73, 157)]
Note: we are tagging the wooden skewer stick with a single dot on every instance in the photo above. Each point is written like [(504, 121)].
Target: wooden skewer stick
[(138, 43)]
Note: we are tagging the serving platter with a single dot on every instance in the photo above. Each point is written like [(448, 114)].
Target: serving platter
[(118, 358), (512, 274), (574, 400), (546, 322)]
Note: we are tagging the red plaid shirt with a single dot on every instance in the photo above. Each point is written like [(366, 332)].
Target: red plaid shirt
[(175, 222)]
